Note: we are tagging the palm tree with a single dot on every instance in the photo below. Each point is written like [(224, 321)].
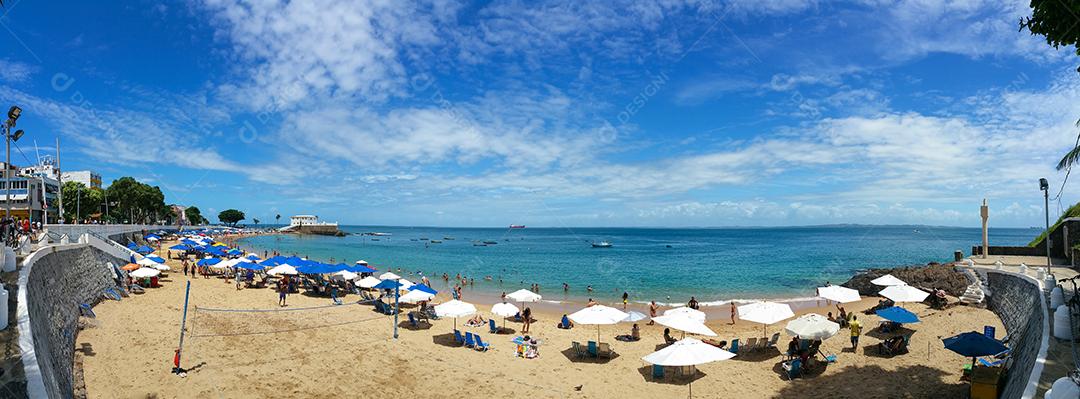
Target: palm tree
[(277, 219), (1072, 156), (256, 221)]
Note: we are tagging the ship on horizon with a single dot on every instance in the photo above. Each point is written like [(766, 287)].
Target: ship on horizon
[(517, 226)]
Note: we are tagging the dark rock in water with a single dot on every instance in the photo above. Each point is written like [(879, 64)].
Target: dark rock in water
[(922, 277)]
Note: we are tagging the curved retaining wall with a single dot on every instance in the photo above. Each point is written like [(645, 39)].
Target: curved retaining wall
[(1018, 301), (52, 283)]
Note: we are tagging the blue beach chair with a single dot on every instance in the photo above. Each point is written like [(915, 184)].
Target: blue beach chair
[(412, 321), (458, 338), (491, 324), (480, 344), (469, 340), (593, 351), (794, 369), (734, 346), (657, 372)]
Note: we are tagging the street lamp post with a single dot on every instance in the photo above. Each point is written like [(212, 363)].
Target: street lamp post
[(13, 116), (1045, 187)]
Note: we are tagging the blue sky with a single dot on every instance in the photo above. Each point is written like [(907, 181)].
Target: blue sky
[(554, 113)]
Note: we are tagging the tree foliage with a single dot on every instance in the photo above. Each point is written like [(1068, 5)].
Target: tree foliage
[(80, 202), (1056, 20), (231, 216), (135, 202), (194, 215)]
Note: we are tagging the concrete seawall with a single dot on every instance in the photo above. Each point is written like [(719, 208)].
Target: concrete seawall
[(53, 282), (1018, 300)]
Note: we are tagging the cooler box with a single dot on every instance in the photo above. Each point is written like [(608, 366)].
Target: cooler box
[(984, 382)]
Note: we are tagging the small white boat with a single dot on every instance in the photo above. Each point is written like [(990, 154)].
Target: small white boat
[(601, 244)]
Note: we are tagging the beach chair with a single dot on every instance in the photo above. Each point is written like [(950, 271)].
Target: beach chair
[(793, 368), (592, 349), (751, 344), (458, 338), (577, 348), (657, 372), (412, 321), (469, 340), (604, 350), (734, 346), (480, 344), (491, 326), (830, 359), (772, 341)]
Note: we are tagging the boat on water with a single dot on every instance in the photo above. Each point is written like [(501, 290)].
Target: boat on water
[(601, 244), (423, 238), (448, 238), (436, 241), (374, 239), (379, 234), (479, 244), (517, 226), (491, 242), (414, 239)]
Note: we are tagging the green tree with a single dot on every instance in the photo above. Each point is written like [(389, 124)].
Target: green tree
[(256, 221), (194, 215), (81, 202), (231, 216), (136, 202), (277, 218)]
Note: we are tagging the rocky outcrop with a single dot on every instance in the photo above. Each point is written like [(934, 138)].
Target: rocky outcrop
[(934, 275)]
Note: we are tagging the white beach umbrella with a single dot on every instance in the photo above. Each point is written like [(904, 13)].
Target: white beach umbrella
[(416, 296), (362, 262), (765, 313), (282, 269), (838, 294), (368, 282), (144, 272), (598, 315), (887, 280), (633, 316), (904, 293), (691, 313), (389, 276), (524, 295), (405, 284), (812, 326), (687, 352), (455, 309), (343, 275), (684, 322), (505, 309)]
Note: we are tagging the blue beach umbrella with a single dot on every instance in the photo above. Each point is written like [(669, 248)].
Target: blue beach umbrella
[(422, 287), (387, 285), (311, 268), (898, 315), (250, 266), (132, 246), (180, 247), (144, 249), (155, 258), (208, 261), (252, 257), (361, 269), (974, 344), (152, 237), (189, 242), (236, 252)]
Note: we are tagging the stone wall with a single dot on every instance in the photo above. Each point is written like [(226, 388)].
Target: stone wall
[(1018, 301), (58, 279)]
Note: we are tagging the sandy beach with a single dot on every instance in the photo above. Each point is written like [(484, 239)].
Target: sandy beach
[(348, 351)]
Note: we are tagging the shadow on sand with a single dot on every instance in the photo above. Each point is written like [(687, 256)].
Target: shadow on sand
[(874, 382)]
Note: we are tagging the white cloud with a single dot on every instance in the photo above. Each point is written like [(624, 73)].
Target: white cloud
[(14, 71)]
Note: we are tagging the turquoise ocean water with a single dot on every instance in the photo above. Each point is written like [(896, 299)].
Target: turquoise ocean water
[(713, 264)]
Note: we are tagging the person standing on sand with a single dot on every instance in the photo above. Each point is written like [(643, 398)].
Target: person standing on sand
[(282, 292), (526, 316), (625, 299), (856, 330), (732, 313), (652, 312)]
